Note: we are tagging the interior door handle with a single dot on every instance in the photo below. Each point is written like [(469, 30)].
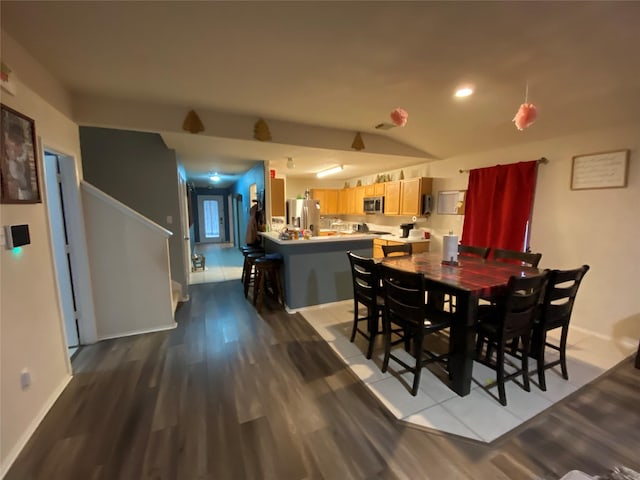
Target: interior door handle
[(186, 238)]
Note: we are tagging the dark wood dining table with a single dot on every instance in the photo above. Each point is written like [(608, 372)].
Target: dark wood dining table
[(468, 281)]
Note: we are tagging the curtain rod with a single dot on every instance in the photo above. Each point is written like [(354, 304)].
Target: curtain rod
[(542, 160)]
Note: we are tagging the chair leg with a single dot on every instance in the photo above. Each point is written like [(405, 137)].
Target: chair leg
[(355, 321), (500, 374), (417, 348), (540, 360), (372, 323), (247, 280), (387, 344), (525, 363), (563, 349)]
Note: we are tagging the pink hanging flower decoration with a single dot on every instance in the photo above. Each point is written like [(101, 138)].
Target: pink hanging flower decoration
[(526, 115), (399, 117)]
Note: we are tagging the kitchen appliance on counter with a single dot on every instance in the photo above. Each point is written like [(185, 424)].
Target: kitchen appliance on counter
[(405, 229), (304, 214)]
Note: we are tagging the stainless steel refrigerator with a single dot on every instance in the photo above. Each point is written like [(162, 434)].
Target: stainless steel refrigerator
[(304, 214)]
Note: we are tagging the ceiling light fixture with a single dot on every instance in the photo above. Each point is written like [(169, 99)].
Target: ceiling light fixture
[(330, 171), (215, 177), (464, 92)]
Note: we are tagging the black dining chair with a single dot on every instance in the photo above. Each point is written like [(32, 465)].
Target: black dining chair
[(511, 317), (406, 316), (473, 251), (402, 249), (366, 292), (560, 294), (527, 258)]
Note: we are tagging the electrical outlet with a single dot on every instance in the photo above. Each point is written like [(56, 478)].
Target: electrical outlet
[(25, 379)]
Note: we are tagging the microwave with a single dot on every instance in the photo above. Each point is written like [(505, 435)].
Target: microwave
[(373, 205)]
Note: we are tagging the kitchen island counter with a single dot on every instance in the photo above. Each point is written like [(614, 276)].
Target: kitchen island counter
[(317, 270)]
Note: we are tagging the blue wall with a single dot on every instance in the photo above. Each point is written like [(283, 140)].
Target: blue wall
[(241, 187)]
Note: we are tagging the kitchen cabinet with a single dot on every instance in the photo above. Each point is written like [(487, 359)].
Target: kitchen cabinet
[(328, 199), (374, 190), (392, 198), (277, 197), (411, 195), (358, 196)]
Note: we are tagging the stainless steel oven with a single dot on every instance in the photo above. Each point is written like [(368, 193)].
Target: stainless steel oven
[(373, 205)]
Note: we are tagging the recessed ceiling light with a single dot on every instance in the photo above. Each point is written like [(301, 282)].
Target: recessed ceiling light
[(464, 92), (215, 177)]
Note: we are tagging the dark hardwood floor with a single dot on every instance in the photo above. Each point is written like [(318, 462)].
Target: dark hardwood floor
[(232, 395)]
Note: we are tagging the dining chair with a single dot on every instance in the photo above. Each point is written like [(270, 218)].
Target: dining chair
[(559, 297), (473, 251), (391, 250), (510, 317), (366, 292), (527, 258), (406, 315)]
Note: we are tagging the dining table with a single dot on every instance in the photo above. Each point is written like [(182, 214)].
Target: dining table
[(468, 280)]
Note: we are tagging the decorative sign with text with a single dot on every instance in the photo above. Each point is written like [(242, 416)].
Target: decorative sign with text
[(600, 170)]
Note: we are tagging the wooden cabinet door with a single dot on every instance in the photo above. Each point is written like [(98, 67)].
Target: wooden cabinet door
[(359, 200), (342, 201), (377, 248), (331, 200), (410, 197), (392, 198), (419, 247), (277, 197), (369, 190), (378, 189)]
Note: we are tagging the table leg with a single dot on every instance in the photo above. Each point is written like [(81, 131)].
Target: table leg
[(462, 342)]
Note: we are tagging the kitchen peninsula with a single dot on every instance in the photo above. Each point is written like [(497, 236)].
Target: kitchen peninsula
[(317, 270)]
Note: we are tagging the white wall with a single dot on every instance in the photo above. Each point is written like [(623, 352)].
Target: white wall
[(31, 334)]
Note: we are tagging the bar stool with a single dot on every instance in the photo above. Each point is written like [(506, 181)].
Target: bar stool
[(267, 266), (246, 250), (249, 275)]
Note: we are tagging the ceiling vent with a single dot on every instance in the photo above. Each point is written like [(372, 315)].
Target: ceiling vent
[(385, 126)]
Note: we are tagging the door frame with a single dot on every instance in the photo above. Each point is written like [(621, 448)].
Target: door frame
[(79, 256)]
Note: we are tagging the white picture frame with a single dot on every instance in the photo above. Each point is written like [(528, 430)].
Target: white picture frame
[(600, 170)]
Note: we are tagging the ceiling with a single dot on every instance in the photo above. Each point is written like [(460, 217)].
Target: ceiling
[(342, 67)]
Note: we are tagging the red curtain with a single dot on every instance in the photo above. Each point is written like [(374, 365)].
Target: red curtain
[(498, 205)]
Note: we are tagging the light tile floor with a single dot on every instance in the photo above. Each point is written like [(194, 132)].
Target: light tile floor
[(223, 262), (478, 415)]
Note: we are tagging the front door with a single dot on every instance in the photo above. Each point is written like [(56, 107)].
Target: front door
[(211, 218)]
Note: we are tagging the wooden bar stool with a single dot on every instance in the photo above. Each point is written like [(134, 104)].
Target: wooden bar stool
[(267, 268), (249, 274), (246, 250)]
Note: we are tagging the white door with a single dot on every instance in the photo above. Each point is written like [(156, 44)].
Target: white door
[(61, 247), (184, 223), (211, 219)]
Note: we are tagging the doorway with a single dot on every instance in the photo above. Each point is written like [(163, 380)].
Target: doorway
[(211, 218), (61, 247)]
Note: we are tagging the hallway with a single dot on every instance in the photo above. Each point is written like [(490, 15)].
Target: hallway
[(223, 261)]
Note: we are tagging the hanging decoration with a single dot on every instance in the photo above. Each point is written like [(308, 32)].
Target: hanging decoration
[(192, 123), (261, 131), (526, 114), (357, 143), (399, 117)]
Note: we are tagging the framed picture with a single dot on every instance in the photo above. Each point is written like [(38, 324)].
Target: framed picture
[(18, 163), (600, 170)]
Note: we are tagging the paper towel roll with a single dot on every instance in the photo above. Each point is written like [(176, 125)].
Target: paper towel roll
[(449, 248)]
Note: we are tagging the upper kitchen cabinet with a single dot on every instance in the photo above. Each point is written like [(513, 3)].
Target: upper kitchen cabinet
[(277, 197), (359, 200), (374, 190), (392, 198), (412, 194), (328, 199)]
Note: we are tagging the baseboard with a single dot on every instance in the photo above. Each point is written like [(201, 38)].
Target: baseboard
[(138, 332), (626, 341), (24, 438)]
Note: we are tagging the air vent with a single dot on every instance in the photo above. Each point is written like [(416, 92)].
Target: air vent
[(385, 126)]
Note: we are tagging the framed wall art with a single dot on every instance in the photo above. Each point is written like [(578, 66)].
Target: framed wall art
[(18, 161), (600, 170)]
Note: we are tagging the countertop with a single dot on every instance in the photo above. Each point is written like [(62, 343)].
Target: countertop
[(274, 236)]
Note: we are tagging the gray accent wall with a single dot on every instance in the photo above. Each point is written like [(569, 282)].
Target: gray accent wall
[(137, 169)]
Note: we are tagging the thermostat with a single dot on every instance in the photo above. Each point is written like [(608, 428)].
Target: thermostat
[(16, 236)]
